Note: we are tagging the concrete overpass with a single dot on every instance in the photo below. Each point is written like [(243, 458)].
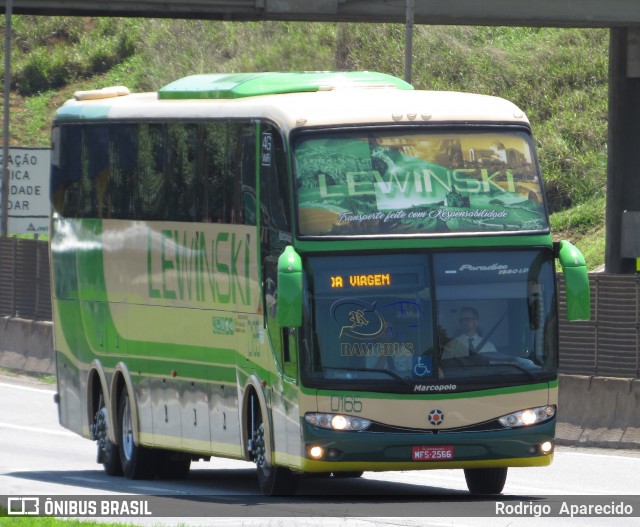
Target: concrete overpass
[(583, 13), (622, 16)]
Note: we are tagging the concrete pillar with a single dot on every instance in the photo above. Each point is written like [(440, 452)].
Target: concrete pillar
[(623, 165)]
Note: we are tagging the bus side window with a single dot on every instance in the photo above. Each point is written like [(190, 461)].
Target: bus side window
[(67, 201), (248, 174), (94, 170), (123, 153), (217, 177), (274, 191), (150, 188), (242, 162), (182, 181)]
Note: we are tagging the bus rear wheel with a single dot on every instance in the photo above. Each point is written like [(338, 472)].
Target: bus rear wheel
[(108, 453), (137, 461), (273, 481), (173, 465), (485, 480), (352, 474)]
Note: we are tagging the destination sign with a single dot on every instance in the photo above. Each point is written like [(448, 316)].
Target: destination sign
[(360, 280)]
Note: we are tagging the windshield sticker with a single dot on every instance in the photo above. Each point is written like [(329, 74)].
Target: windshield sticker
[(422, 366), (381, 337), (363, 324), (266, 155), (417, 183)]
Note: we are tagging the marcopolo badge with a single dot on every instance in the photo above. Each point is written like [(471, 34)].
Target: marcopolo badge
[(436, 417)]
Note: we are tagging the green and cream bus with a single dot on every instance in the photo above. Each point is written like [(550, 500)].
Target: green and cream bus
[(284, 267)]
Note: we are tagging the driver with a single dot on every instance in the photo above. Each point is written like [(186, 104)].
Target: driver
[(470, 340)]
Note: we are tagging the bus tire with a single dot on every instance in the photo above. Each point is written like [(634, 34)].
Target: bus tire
[(485, 480), (272, 480), (173, 465), (137, 461), (108, 453), (350, 474)]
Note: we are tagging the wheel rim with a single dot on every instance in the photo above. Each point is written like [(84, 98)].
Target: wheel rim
[(127, 431), (258, 449), (102, 427)]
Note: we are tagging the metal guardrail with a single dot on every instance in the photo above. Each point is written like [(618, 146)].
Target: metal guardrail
[(24, 279), (608, 345)]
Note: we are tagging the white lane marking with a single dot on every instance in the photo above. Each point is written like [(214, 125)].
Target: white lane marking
[(146, 488), (84, 479), (606, 456), (66, 433), (26, 388)]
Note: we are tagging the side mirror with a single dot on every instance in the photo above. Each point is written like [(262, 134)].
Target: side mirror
[(289, 289), (576, 280)]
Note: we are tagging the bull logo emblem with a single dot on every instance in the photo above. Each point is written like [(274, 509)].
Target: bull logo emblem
[(358, 320)]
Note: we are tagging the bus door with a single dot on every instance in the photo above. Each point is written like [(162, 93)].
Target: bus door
[(275, 235)]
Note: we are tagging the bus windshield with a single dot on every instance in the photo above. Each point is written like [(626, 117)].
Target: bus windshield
[(383, 182), (417, 322)]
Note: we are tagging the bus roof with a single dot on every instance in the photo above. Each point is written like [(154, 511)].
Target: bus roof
[(236, 85), (293, 100)]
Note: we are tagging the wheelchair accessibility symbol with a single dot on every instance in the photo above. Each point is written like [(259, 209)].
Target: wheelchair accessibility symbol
[(422, 366)]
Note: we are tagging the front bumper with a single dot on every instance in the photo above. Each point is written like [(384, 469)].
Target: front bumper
[(374, 451)]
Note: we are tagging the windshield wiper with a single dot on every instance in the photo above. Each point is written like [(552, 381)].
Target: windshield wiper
[(390, 373), (479, 360), (515, 365)]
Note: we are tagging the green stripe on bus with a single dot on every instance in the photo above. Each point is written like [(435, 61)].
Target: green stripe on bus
[(434, 396), (537, 240)]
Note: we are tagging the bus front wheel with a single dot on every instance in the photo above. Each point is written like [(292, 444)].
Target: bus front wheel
[(485, 480), (137, 461), (352, 474), (273, 481)]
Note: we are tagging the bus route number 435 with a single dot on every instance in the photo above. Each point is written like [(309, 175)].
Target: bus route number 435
[(432, 453)]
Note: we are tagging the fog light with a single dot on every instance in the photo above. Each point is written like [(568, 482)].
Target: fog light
[(546, 447), (316, 452)]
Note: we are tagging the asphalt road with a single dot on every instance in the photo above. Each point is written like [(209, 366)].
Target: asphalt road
[(40, 458)]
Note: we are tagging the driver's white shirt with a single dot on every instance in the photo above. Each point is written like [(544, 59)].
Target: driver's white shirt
[(459, 346)]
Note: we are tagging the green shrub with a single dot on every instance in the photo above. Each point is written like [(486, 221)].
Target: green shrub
[(557, 76), (45, 69), (60, 50)]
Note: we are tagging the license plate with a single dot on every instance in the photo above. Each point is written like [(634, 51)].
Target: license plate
[(432, 453)]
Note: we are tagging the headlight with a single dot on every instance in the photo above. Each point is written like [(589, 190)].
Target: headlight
[(528, 417), (337, 421)]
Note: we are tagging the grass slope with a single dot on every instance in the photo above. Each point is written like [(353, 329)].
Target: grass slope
[(557, 76)]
